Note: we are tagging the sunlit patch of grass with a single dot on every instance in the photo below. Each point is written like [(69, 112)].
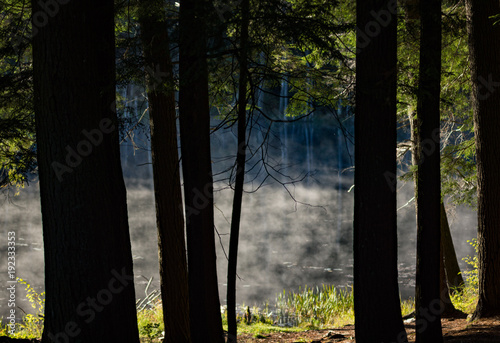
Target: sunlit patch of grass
[(407, 306), (465, 299), (318, 307), (150, 322), (264, 328)]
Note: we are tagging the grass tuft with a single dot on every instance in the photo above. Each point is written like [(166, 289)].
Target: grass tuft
[(317, 307)]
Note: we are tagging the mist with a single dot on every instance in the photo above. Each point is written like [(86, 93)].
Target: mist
[(296, 227)]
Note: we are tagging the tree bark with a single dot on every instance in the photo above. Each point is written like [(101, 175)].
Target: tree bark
[(240, 175), (427, 290), (453, 274), (376, 301), (447, 253), (89, 280), (168, 196), (484, 52), (448, 309), (205, 316)]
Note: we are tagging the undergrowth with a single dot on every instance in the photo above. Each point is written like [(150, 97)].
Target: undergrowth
[(465, 299), (32, 324), (308, 308), (318, 307)]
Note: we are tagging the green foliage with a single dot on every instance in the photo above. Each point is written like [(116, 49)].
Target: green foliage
[(458, 169), (465, 298), (17, 130), (32, 324), (302, 43), (150, 321), (458, 151)]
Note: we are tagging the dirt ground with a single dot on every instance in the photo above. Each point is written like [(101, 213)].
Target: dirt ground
[(454, 330)]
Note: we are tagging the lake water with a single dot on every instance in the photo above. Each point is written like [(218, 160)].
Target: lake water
[(290, 237)]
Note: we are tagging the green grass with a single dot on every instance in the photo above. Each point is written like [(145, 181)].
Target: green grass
[(150, 322), (407, 306), (258, 328), (317, 307), (308, 308)]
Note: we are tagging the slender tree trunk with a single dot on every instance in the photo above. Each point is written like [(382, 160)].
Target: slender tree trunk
[(448, 309), (427, 297), (205, 317), (89, 281), (484, 51), (376, 294), (447, 252), (168, 197), (453, 274), (240, 176)]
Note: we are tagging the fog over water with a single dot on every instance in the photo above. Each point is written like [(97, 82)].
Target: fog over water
[(290, 237)]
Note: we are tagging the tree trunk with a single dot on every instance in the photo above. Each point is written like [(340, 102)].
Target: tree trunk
[(484, 51), (448, 309), (168, 196), (427, 290), (453, 274), (240, 176), (447, 253), (205, 316), (89, 281), (376, 301)]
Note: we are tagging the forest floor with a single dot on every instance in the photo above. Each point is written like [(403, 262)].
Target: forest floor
[(454, 330)]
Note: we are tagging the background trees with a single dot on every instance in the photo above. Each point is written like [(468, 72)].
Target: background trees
[(154, 32), (88, 262)]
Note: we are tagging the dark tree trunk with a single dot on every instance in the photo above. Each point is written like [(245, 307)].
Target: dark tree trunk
[(447, 252), (376, 301), (89, 280), (484, 51), (453, 274), (205, 317), (168, 197), (240, 176), (448, 309), (427, 291)]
